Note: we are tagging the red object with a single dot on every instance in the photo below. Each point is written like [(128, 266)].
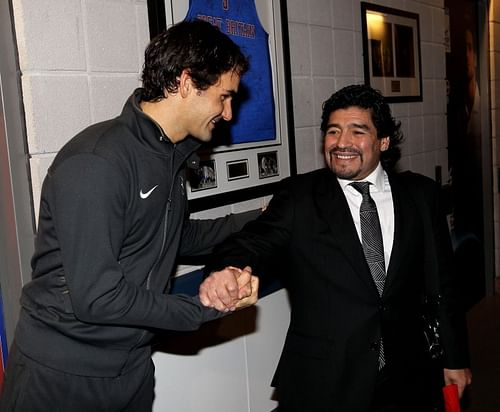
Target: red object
[(451, 399)]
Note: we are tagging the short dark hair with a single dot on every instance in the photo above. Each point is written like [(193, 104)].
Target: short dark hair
[(365, 97), (196, 46)]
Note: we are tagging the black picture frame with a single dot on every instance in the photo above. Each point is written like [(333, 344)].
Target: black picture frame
[(391, 52), (157, 23)]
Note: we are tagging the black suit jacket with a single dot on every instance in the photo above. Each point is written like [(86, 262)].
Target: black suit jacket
[(330, 357)]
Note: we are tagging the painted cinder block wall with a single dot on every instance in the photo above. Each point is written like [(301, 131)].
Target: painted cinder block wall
[(81, 58), (79, 61)]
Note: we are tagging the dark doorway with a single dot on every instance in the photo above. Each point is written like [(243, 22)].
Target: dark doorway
[(465, 147)]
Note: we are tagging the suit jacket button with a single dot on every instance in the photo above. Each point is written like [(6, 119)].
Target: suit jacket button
[(374, 346)]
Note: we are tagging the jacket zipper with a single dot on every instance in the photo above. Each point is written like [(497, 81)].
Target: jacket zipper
[(165, 224), (164, 239)]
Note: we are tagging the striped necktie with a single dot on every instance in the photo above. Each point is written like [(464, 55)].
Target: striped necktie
[(373, 245)]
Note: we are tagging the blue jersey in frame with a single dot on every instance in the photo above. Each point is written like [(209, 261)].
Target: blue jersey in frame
[(253, 111)]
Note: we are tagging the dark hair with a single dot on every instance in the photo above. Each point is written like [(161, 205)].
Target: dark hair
[(196, 46), (365, 97)]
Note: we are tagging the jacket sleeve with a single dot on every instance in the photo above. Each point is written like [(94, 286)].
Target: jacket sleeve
[(199, 236), (451, 312), (88, 198)]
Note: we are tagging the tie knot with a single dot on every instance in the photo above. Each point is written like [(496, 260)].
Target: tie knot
[(362, 187)]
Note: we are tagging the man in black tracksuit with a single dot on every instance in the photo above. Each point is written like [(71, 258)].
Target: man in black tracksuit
[(113, 219)]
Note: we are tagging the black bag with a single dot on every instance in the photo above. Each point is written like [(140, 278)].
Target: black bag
[(431, 328), (431, 299)]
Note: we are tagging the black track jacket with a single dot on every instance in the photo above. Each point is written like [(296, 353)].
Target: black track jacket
[(113, 218)]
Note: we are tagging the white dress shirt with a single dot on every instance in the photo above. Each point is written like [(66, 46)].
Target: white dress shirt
[(380, 191)]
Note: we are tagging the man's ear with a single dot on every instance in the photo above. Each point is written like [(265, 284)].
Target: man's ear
[(185, 83), (384, 143)]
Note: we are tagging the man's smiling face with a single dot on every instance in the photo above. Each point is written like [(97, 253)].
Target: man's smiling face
[(351, 146), (209, 106)]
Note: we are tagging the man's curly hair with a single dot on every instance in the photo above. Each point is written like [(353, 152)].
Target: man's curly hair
[(366, 97)]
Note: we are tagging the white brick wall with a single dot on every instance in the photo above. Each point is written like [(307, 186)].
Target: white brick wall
[(79, 61)]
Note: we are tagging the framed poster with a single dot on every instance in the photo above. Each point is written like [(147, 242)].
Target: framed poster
[(391, 52), (232, 162)]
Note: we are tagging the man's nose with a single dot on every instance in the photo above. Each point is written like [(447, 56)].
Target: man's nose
[(227, 112), (344, 139)]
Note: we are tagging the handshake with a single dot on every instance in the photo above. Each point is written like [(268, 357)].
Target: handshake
[(230, 289)]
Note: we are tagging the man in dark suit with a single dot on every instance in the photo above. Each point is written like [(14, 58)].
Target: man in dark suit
[(355, 343)]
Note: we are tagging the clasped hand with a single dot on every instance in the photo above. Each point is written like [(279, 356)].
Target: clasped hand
[(229, 289)]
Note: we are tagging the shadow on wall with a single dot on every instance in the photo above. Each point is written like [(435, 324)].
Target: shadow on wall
[(219, 331)]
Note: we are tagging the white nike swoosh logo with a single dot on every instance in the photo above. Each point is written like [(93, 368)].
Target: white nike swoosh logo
[(146, 195)]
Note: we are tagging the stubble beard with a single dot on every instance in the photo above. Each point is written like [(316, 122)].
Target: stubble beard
[(342, 172)]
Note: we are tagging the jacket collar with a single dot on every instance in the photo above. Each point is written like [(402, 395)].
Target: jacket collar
[(150, 133)]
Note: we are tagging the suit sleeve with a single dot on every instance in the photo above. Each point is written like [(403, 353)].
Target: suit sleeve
[(451, 312), (259, 240)]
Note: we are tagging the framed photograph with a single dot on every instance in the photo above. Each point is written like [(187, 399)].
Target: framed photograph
[(262, 126), (268, 164), (237, 169), (391, 52), (204, 177)]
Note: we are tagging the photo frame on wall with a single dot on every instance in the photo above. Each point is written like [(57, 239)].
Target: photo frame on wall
[(232, 161), (204, 176), (391, 52)]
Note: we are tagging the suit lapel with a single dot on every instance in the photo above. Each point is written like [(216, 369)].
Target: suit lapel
[(405, 210), (333, 208)]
